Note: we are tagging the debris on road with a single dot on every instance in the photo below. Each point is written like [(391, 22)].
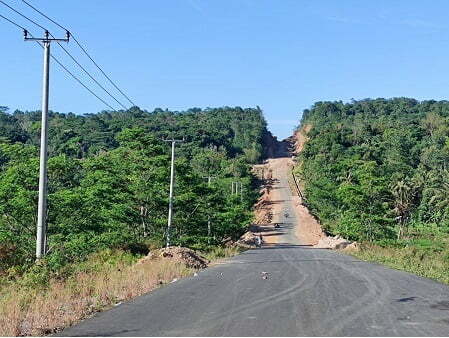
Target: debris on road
[(264, 274)]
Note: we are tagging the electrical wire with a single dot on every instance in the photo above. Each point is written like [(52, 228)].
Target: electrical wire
[(79, 81), (45, 16), (70, 55), (101, 70), (10, 21), (59, 63), (76, 78), (93, 79), (82, 48), (23, 16)]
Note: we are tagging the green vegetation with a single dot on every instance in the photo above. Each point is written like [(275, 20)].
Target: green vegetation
[(377, 171), (109, 179)]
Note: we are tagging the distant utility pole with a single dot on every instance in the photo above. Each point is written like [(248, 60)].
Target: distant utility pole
[(172, 181), (41, 238), (235, 189), (209, 180)]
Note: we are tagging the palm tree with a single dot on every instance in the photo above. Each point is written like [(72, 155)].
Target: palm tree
[(403, 193), (440, 191)]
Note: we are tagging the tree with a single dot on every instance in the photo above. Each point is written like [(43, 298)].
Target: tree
[(404, 194)]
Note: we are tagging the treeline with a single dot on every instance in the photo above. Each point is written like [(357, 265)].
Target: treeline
[(109, 179), (377, 169)]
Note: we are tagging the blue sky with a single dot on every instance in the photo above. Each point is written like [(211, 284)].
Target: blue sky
[(282, 55)]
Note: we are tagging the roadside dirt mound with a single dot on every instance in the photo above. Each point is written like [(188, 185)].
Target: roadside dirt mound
[(262, 209), (248, 240), (335, 243), (185, 255)]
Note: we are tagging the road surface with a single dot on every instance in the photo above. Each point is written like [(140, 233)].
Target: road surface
[(287, 289)]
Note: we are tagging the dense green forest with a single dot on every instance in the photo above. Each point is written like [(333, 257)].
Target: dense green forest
[(109, 179), (378, 169)]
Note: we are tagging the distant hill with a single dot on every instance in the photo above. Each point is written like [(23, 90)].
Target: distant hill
[(109, 178)]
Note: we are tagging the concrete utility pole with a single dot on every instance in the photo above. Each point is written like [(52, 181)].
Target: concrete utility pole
[(172, 181), (209, 180), (41, 237)]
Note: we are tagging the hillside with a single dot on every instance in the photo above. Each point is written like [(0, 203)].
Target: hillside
[(109, 179), (376, 171)]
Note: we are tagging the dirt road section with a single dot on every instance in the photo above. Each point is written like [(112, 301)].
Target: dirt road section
[(307, 229), (280, 216)]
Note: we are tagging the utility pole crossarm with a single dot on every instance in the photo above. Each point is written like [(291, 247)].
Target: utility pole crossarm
[(46, 37)]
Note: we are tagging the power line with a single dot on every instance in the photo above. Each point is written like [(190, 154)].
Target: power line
[(79, 81), (10, 21), (59, 63), (45, 16), (85, 71), (101, 70), (76, 78), (82, 48), (71, 56), (22, 15)]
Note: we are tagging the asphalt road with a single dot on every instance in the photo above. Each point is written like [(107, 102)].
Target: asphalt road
[(307, 292)]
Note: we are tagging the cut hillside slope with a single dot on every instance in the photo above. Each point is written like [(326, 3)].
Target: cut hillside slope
[(309, 229), (300, 138)]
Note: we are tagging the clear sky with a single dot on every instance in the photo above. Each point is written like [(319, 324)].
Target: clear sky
[(282, 55)]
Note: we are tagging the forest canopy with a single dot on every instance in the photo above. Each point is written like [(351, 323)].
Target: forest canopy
[(376, 169), (109, 178)]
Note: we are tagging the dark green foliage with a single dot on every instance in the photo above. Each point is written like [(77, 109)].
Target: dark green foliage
[(374, 168), (109, 180), (234, 131)]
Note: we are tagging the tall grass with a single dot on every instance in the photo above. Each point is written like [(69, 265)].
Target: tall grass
[(29, 307), (423, 257), (219, 252)]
